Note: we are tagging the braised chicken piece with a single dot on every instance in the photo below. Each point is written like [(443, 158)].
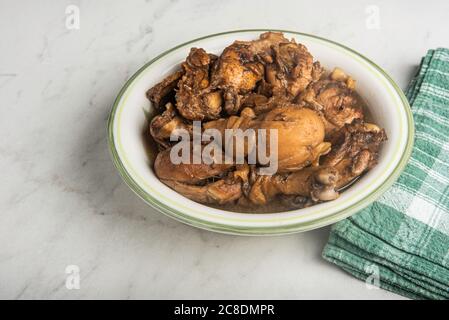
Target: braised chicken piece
[(241, 67), (190, 173), (263, 47), (223, 191), (291, 70), (355, 150), (160, 93), (166, 124), (300, 134), (205, 183), (196, 99), (270, 87), (335, 98), (236, 73), (314, 183)]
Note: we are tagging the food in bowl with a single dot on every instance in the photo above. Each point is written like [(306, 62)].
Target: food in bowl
[(323, 139)]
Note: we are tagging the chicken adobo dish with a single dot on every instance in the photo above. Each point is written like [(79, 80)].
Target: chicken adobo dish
[(312, 121)]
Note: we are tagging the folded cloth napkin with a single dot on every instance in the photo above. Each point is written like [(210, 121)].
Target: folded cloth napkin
[(404, 235)]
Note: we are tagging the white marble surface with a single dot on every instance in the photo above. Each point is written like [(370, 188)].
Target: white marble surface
[(61, 201)]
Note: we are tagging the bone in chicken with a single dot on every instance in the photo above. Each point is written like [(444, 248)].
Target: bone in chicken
[(355, 150), (300, 133)]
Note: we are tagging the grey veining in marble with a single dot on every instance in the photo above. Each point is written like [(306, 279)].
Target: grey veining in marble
[(61, 201)]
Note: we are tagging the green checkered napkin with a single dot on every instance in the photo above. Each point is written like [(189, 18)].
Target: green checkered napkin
[(404, 236)]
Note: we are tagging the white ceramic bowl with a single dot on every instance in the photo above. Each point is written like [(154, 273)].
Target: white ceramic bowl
[(388, 107)]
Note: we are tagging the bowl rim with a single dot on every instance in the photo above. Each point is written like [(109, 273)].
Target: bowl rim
[(260, 230)]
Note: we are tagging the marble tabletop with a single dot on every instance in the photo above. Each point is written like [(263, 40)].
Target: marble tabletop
[(70, 228)]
